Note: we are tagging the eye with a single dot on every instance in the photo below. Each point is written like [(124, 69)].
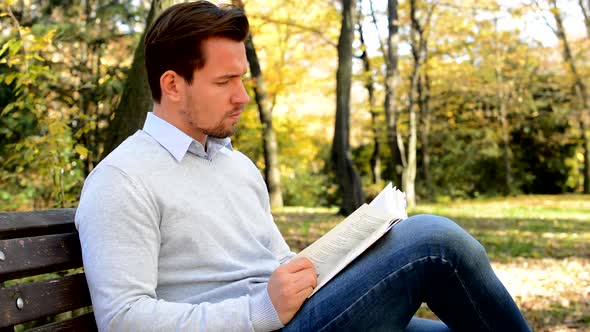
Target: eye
[(222, 83)]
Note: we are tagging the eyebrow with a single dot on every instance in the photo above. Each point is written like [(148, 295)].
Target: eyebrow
[(228, 76)]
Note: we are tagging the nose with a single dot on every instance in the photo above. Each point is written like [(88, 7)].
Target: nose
[(241, 96)]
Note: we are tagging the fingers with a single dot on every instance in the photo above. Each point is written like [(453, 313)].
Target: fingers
[(298, 265), (305, 293), (303, 275), (305, 278), (289, 286), (304, 283)]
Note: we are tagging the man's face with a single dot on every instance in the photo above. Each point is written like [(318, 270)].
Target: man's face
[(216, 98)]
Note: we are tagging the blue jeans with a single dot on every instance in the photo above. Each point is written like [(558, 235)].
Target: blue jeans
[(423, 259)]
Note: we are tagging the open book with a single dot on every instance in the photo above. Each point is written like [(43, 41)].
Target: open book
[(345, 242)]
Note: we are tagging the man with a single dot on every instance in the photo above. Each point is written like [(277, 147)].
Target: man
[(177, 233)]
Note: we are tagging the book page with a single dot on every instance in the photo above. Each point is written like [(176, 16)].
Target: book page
[(329, 254), (391, 201), (341, 245)]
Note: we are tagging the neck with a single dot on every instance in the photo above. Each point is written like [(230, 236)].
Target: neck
[(175, 118)]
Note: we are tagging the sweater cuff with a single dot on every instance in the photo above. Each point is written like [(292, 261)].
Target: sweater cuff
[(263, 314)]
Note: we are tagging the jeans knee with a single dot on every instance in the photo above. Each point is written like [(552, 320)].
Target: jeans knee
[(444, 235)]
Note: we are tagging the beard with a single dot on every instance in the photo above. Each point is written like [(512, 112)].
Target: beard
[(224, 128), (220, 131)]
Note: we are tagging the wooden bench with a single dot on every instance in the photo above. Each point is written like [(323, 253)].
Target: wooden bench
[(44, 244)]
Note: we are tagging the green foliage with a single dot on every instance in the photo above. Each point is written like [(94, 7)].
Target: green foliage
[(459, 163), (63, 70), (305, 175), (542, 149), (64, 66), (39, 169), (307, 180), (248, 136)]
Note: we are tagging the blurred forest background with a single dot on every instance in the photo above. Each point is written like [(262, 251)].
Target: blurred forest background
[(457, 99), (446, 99), (478, 110)]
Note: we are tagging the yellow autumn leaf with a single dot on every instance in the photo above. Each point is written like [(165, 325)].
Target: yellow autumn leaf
[(82, 151)]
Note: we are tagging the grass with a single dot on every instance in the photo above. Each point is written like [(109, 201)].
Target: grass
[(539, 247)]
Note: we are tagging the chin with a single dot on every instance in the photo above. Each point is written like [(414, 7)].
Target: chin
[(222, 132)]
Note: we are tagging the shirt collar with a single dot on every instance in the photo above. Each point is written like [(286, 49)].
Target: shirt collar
[(178, 143)]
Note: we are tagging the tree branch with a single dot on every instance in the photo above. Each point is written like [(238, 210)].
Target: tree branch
[(381, 46), (586, 17), (296, 25)]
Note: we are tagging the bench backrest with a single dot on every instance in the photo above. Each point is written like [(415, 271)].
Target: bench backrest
[(36, 243)]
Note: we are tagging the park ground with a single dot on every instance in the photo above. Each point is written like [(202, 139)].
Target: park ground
[(538, 245)]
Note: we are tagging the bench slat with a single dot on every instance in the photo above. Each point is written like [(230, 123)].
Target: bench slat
[(33, 223), (40, 254), (82, 323), (43, 298)]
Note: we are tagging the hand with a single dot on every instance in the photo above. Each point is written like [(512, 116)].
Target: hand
[(290, 285)]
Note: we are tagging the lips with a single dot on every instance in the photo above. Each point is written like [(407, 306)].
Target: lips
[(236, 114)]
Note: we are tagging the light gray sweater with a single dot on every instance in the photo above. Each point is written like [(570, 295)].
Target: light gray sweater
[(173, 245)]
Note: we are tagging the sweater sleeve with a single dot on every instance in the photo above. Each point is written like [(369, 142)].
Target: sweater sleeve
[(118, 222)]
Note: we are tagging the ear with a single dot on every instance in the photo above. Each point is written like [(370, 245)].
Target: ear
[(173, 86)]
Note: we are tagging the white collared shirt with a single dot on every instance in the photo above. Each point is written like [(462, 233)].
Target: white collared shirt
[(178, 143)]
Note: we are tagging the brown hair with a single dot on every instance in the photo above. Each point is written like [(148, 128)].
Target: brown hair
[(173, 42)]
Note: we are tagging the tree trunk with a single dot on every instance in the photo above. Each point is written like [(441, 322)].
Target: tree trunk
[(579, 89), (269, 139), (507, 152), (85, 77), (585, 9), (389, 103), (418, 43), (348, 179), (370, 86), (137, 99), (502, 96), (409, 172), (88, 72), (424, 102), (586, 149)]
